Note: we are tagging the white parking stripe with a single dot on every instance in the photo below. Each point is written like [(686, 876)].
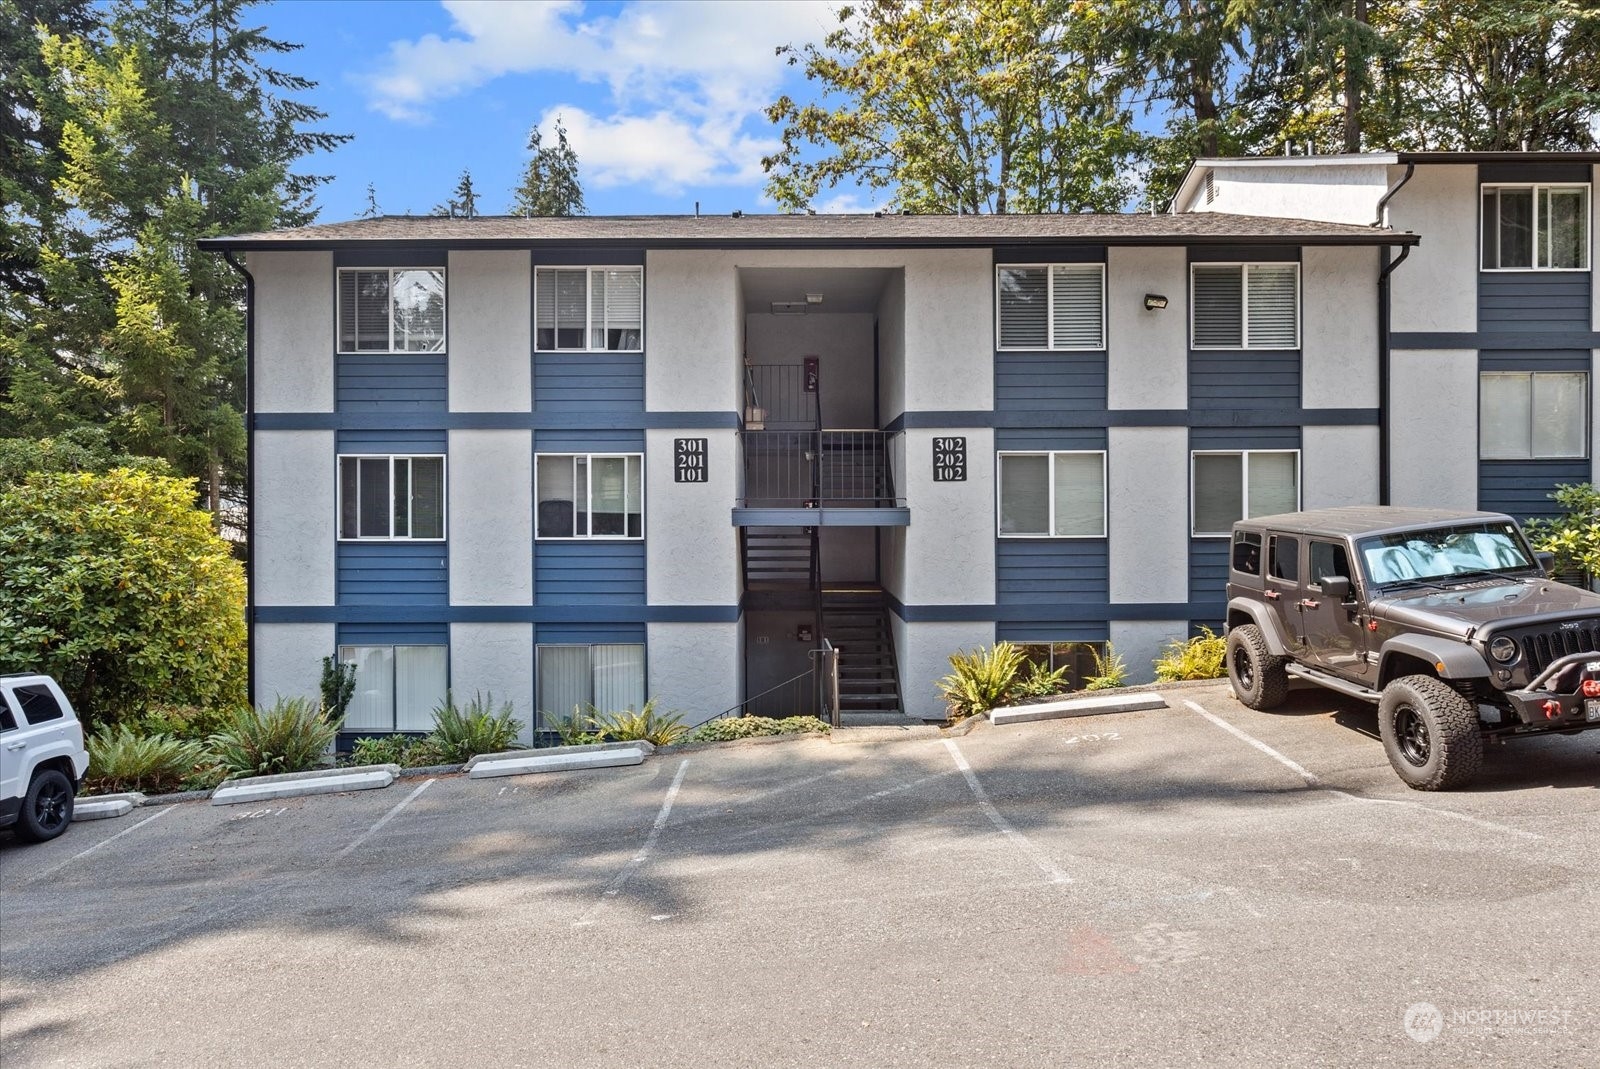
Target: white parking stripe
[(620, 880), (390, 815), (1001, 824), (1313, 782), (103, 842)]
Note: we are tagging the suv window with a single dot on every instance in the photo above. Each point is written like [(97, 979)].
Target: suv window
[(1286, 558), (1329, 559), (38, 704), (7, 721), (1247, 552)]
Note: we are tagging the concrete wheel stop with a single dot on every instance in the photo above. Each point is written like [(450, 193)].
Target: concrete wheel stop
[(295, 784), (559, 759), (1060, 710)]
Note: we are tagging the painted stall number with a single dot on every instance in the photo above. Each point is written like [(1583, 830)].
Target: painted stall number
[(1106, 736), (949, 460), (689, 460), (257, 814)]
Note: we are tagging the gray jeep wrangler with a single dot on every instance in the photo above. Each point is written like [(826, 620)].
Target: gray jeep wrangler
[(1446, 620)]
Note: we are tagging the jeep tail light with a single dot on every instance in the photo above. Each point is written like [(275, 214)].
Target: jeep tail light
[(1552, 709), (1591, 688)]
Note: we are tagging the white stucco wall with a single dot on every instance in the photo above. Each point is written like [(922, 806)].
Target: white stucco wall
[(490, 479), (949, 546), (1339, 327), (295, 512), (1338, 466), (1148, 359), (288, 660), (892, 348), (490, 324), (1140, 642), (1434, 427), (1436, 289), (294, 316), (1306, 188), (692, 331), (695, 669), (1148, 502), (495, 659), (949, 330), (691, 545), (924, 651)]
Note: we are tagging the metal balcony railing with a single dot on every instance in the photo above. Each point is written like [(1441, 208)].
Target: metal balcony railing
[(818, 469)]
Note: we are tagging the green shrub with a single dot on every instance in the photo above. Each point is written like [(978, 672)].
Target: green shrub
[(981, 680), (1200, 657), (660, 729), (1039, 681), (338, 687), (460, 734), (407, 751), (748, 727), (292, 736), (1110, 670), (121, 759), (193, 723), (1574, 538), (577, 731)]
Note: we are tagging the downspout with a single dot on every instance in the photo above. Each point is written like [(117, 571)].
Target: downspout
[(1384, 420), (249, 472)]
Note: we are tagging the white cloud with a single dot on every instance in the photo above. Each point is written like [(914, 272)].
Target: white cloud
[(854, 202), (685, 78)]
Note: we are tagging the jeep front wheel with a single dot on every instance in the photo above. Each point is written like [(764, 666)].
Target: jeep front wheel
[(1258, 678), (1430, 732), (46, 808)]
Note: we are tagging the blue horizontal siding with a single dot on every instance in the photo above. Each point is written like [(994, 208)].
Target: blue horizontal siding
[(1534, 302), (397, 574), (1244, 437), (402, 442), (1208, 569), (387, 382), (1226, 378), (1026, 438), (1536, 360), (395, 634), (1047, 631), (1056, 382), (587, 634), (1521, 487), (588, 382), (589, 573), (588, 441), (1047, 571)]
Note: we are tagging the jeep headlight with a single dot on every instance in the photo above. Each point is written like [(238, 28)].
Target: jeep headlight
[(1503, 648)]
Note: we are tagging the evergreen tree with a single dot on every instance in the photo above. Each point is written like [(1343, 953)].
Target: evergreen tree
[(463, 202), (550, 184)]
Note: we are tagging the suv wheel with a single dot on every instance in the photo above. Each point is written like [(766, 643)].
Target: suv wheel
[(1258, 678), (1430, 733), (47, 807)]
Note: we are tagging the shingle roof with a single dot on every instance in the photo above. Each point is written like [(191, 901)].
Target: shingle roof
[(678, 231)]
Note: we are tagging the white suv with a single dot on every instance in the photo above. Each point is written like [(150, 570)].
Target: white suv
[(42, 759)]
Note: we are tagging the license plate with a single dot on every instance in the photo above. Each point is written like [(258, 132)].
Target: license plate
[(1591, 709)]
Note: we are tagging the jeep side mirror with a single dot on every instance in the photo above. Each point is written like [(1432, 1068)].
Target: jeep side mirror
[(1546, 559), (1336, 587)]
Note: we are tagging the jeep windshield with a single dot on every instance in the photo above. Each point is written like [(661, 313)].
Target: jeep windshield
[(1445, 555)]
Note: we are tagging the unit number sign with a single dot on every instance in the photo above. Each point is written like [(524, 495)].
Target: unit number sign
[(949, 460), (689, 460)]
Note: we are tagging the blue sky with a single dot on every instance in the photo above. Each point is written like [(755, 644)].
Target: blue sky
[(662, 98)]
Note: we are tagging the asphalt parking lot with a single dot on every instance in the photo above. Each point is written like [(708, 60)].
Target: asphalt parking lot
[(1197, 885)]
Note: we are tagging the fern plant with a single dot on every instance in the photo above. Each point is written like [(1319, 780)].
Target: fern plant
[(1200, 657), (120, 759), (291, 736), (660, 729), (981, 679), (462, 733), (1040, 681), (1110, 670)]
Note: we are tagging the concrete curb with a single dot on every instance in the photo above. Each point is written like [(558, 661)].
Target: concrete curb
[(136, 798), (879, 734), (295, 784), (556, 762), (753, 740), (964, 727), (100, 809), (1119, 703), (642, 746)]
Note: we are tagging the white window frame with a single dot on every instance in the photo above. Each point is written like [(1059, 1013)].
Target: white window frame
[(444, 497), (1588, 212), (1584, 410), (1050, 309), (591, 458), (1050, 472), (1244, 489), (588, 306), (394, 680), (1244, 306), (338, 312)]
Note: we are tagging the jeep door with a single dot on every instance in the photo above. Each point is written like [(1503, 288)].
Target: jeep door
[(1333, 628), (12, 744), (1282, 587)]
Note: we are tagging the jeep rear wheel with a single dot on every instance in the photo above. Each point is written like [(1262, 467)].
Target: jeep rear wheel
[(46, 808), (1258, 678), (1430, 732)]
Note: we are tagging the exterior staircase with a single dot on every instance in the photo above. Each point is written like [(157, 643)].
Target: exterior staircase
[(857, 623), (779, 558)]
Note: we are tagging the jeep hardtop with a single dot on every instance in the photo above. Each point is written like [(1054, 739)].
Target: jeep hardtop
[(1446, 620)]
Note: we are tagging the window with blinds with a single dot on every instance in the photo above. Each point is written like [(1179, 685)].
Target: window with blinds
[(589, 495), (607, 677), (1052, 495), (391, 310), (397, 687), (391, 497), (1228, 486), (1051, 306), (588, 309), (1533, 415), (1245, 306)]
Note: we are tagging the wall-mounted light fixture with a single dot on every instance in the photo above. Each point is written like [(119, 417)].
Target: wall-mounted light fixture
[(1154, 302), (813, 298)]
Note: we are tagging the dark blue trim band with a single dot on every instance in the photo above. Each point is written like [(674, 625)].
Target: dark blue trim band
[(498, 614), (1154, 417), (493, 421), (1484, 339), (1064, 612)]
